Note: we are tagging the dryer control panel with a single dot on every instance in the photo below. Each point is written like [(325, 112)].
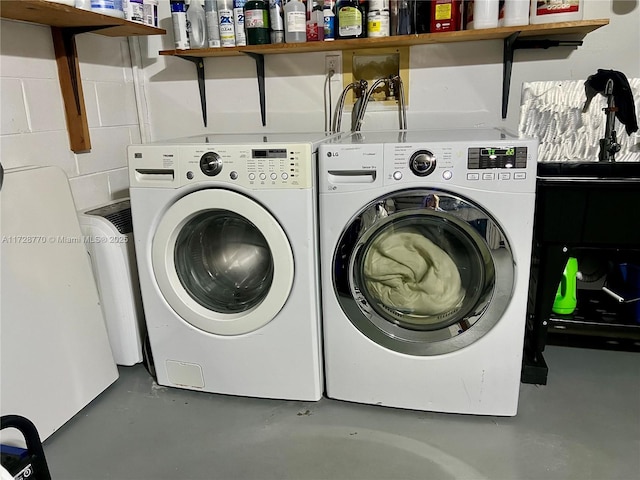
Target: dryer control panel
[(260, 166)]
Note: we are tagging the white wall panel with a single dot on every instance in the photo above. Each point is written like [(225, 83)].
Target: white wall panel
[(118, 183), (45, 109), (27, 51), (108, 150), (40, 148), (14, 113), (90, 190), (116, 104)]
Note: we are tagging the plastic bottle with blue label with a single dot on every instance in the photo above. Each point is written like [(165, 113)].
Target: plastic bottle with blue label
[(329, 21), (179, 20), (238, 22), (108, 7)]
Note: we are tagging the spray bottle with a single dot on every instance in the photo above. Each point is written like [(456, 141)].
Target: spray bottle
[(213, 28), (227, 28)]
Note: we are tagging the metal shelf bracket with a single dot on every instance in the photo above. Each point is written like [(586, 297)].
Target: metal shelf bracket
[(512, 43), (259, 59), (199, 63)]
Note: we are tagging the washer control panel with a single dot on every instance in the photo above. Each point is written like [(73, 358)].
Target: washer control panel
[(259, 166), (490, 157), (452, 163), (507, 165)]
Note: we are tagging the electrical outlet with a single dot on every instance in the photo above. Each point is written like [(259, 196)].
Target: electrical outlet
[(333, 62)]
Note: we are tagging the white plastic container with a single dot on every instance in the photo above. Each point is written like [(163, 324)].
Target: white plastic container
[(378, 23), (482, 14), (295, 28), (108, 7), (70, 3), (133, 10), (196, 25), (551, 11), (514, 12), (83, 4), (151, 12)]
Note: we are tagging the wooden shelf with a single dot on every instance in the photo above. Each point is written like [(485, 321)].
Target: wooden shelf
[(518, 37), (63, 16), (578, 28), (66, 22)]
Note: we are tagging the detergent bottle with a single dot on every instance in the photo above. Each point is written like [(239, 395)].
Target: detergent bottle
[(566, 296)]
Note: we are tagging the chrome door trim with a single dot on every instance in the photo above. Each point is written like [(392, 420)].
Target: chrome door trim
[(489, 256)]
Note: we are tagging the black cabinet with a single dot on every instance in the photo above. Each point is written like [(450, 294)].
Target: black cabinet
[(590, 211)]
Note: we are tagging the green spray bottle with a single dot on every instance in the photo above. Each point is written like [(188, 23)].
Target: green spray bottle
[(566, 296)]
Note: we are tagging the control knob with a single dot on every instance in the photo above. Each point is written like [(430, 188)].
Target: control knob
[(211, 164), (422, 163)]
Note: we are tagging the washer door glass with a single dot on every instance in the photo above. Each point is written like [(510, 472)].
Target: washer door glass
[(222, 262), (423, 272)]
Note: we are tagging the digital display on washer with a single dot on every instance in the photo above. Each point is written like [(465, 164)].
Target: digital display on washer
[(269, 153), (497, 157)]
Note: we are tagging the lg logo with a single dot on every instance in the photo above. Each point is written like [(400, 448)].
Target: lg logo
[(332, 154)]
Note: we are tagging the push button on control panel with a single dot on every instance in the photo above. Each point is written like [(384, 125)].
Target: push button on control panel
[(397, 175), (473, 176)]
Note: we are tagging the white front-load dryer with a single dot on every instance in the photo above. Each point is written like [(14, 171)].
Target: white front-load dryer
[(226, 240), (425, 252)]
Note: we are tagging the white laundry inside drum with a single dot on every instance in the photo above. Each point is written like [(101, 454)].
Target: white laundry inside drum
[(407, 272)]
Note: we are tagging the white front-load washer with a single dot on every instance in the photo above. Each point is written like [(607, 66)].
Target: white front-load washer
[(425, 252), (225, 228)]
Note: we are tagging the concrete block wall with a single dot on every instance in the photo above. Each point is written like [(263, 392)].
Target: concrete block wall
[(33, 128)]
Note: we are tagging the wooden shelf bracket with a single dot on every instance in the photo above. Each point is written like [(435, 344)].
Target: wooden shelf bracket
[(512, 43), (64, 45)]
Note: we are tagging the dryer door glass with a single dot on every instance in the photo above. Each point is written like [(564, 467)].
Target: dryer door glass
[(223, 261), (423, 272)]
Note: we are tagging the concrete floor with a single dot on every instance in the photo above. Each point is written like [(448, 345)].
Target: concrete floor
[(585, 424)]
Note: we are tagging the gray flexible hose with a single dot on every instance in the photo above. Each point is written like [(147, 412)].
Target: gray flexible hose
[(358, 123), (337, 116)]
